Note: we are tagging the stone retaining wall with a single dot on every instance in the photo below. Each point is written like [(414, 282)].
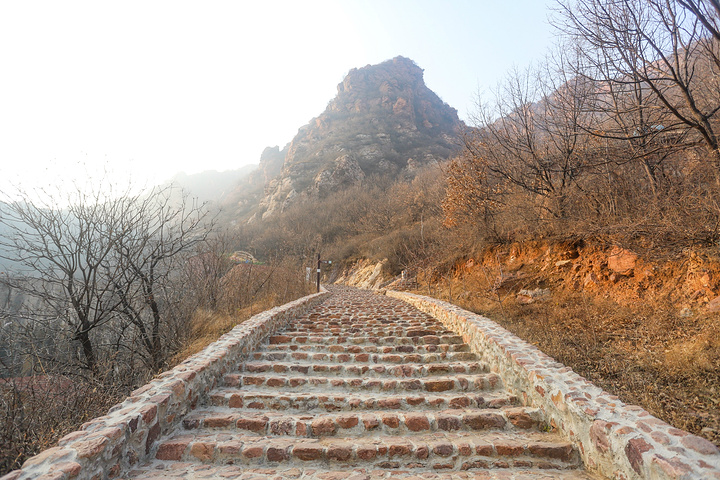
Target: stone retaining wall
[(108, 446), (618, 441)]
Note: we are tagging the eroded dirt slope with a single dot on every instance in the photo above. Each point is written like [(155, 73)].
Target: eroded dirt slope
[(643, 326)]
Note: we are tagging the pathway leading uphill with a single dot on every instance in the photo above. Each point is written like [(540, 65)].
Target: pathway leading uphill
[(353, 384), (363, 386)]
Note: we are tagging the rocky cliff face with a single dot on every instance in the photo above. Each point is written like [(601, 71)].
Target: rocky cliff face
[(383, 121), (249, 192)]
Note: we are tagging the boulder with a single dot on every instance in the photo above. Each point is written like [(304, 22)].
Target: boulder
[(714, 305), (622, 261), (530, 296)]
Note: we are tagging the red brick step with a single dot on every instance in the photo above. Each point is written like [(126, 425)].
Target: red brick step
[(159, 470), (303, 357), (366, 423), (366, 371), (264, 400), (353, 348), (332, 384), (363, 339), (458, 451), (363, 387)]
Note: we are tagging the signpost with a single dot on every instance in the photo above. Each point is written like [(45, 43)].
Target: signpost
[(320, 262)]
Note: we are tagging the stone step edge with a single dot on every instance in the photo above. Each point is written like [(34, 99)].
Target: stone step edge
[(458, 383), (365, 358), (368, 332), (368, 422), (370, 340), (242, 472), (265, 449), (404, 370), (260, 399), (430, 348)]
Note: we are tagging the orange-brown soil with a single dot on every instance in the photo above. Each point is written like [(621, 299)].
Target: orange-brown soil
[(642, 327)]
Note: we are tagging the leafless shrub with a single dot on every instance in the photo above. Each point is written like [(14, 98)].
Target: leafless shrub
[(39, 408)]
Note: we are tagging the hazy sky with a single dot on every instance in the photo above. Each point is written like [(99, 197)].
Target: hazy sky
[(152, 88)]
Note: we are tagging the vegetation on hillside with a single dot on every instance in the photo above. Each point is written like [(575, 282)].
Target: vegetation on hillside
[(614, 136), (648, 336)]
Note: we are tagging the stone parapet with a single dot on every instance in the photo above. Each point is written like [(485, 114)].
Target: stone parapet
[(107, 446), (616, 440)]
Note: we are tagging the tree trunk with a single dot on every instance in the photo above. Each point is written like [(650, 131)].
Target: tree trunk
[(88, 351)]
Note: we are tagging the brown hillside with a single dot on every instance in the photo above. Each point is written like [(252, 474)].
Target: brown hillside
[(644, 328)]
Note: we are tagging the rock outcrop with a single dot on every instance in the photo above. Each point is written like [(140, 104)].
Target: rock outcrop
[(249, 192), (384, 121)]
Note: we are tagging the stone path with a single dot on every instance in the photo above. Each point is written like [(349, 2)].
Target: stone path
[(363, 386)]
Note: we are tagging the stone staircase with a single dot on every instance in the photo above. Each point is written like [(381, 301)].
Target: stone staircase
[(363, 386)]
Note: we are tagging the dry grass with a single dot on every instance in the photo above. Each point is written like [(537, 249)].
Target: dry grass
[(206, 326), (246, 290), (35, 412), (645, 353)]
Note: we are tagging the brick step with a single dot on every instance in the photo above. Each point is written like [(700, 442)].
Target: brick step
[(364, 319), (362, 387), (366, 423), (265, 400), (359, 324), (365, 312), (368, 333), (453, 451), (361, 358), (350, 348), (373, 332), (352, 340), (386, 331), (162, 470), (457, 383), (366, 371)]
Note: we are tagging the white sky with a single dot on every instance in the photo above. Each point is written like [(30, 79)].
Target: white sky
[(152, 88)]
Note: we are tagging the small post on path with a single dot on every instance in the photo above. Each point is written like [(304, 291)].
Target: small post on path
[(320, 262), (318, 274)]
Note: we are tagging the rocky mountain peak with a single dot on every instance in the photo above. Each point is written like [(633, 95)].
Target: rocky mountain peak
[(388, 80), (271, 163), (384, 121)]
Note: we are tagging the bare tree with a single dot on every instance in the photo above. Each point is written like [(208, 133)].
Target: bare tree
[(662, 49), (204, 270), (103, 267), (532, 137), (61, 256), (623, 113), (159, 236), (472, 197), (707, 12)]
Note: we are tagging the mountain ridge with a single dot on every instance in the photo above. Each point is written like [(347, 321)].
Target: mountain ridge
[(384, 121)]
